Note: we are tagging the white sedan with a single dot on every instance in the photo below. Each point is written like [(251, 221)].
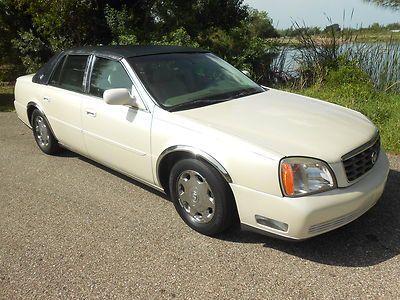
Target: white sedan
[(225, 149)]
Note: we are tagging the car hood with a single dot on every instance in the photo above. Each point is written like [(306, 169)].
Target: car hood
[(288, 124)]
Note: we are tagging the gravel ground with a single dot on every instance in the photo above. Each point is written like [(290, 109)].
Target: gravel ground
[(70, 228)]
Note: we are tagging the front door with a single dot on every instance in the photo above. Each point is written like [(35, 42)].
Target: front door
[(116, 135)]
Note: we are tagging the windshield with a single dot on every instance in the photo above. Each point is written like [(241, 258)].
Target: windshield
[(180, 81)]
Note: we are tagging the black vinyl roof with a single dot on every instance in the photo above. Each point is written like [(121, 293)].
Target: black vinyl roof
[(132, 51)]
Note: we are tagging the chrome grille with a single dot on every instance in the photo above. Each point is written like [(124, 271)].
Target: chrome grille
[(361, 160)]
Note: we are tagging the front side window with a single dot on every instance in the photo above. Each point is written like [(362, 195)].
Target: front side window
[(108, 74), (70, 72), (187, 80)]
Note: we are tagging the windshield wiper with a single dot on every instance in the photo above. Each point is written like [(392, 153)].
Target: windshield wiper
[(244, 93), (196, 103), (206, 101)]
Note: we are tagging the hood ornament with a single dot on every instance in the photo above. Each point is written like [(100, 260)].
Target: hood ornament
[(374, 157)]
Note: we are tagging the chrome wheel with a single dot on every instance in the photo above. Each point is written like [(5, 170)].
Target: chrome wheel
[(202, 197), (41, 131), (43, 134), (195, 196)]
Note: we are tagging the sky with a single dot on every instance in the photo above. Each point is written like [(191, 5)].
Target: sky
[(316, 12)]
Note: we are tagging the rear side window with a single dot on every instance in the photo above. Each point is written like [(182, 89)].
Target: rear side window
[(108, 74), (70, 72), (55, 78), (43, 75)]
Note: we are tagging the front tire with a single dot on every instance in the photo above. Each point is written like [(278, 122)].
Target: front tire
[(42, 133), (202, 198)]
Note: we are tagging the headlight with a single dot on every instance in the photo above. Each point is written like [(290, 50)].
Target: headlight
[(301, 176)]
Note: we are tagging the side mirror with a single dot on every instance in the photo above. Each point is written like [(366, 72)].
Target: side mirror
[(119, 97)]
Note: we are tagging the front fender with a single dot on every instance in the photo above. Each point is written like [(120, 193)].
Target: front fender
[(196, 153), (237, 161)]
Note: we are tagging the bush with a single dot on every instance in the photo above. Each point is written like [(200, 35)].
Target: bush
[(347, 72)]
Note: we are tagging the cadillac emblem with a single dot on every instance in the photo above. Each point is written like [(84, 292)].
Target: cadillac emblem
[(374, 157)]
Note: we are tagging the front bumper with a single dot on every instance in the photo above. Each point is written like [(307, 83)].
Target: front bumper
[(316, 214)]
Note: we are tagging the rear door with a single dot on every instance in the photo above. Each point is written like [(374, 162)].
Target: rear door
[(62, 101), (116, 135)]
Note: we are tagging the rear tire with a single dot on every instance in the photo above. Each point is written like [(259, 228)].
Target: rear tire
[(202, 198), (42, 133)]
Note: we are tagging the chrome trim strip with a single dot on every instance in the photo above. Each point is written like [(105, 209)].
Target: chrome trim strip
[(88, 73), (34, 104), (198, 154), (362, 148), (136, 81)]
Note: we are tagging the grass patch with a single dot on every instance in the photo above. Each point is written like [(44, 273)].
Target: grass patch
[(370, 36), (382, 108), (6, 98)]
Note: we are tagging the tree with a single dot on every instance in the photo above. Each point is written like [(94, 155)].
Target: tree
[(66, 23), (34, 30), (11, 21), (37, 29), (260, 24), (332, 28), (196, 16), (375, 26), (395, 4)]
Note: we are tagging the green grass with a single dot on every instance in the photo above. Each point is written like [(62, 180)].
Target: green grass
[(374, 36), (381, 107), (6, 98)]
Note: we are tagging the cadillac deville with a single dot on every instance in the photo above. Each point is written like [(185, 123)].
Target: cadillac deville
[(225, 149)]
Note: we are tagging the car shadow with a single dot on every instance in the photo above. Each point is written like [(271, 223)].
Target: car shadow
[(122, 176), (66, 153), (369, 240)]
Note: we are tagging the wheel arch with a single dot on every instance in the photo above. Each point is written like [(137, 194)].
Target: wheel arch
[(175, 153), (30, 108)]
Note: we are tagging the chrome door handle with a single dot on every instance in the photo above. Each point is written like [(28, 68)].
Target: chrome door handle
[(91, 113), (46, 99)]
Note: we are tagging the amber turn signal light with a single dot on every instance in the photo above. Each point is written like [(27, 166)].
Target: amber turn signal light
[(287, 179)]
